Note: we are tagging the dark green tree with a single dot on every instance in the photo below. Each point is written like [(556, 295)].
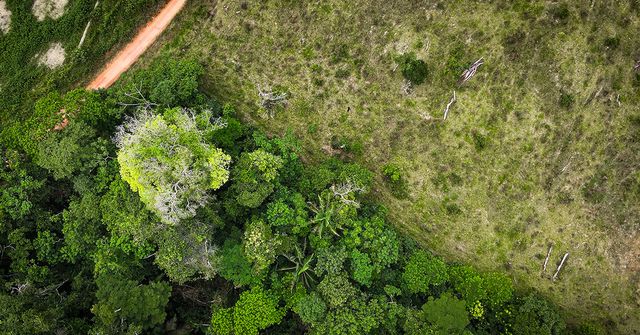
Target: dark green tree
[(447, 314)]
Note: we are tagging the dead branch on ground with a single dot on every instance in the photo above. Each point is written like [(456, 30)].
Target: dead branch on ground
[(446, 110), (560, 266), (407, 88), (471, 71), (546, 260), (269, 99)]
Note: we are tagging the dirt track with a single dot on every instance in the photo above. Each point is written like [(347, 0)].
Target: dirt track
[(132, 51)]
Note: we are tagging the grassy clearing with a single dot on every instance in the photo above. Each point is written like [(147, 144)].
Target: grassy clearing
[(34, 27), (541, 148)]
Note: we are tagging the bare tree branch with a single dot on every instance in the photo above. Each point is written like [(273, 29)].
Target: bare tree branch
[(470, 72), (446, 110), (19, 288), (344, 190), (560, 266), (139, 100), (407, 87), (269, 99), (546, 260)]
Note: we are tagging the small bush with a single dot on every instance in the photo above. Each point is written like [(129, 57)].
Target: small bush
[(392, 172), (346, 145), (342, 73), (456, 62), (413, 69), (393, 176), (612, 42), (566, 100), (480, 141), (636, 80), (560, 13)]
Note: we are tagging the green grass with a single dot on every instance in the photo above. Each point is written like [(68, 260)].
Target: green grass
[(23, 81), (541, 148)]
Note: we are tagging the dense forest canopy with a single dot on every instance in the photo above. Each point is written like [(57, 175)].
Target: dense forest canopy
[(172, 216)]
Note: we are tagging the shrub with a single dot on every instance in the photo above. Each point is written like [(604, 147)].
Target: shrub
[(560, 13), (392, 172), (397, 183), (566, 100), (612, 42), (413, 69)]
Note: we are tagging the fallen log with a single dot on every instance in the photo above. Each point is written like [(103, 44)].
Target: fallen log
[(546, 260), (446, 110), (471, 71), (560, 266)]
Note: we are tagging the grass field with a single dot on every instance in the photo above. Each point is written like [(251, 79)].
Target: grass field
[(541, 148), (23, 79)]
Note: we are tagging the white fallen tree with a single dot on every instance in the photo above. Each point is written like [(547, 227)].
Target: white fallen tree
[(470, 72)]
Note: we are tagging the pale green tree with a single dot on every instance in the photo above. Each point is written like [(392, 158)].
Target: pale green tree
[(167, 161)]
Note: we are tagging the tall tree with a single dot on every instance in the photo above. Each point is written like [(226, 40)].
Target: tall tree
[(166, 160)]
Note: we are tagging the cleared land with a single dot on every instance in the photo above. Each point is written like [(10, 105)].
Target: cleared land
[(132, 51)]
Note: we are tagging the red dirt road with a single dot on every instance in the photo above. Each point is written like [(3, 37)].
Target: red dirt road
[(132, 51)]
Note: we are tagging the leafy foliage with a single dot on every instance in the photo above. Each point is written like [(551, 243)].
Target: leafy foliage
[(72, 150), (168, 82), (255, 175), (165, 159), (446, 314), (255, 310), (85, 246), (311, 308), (260, 246), (537, 316), (413, 69), (124, 306), (423, 271)]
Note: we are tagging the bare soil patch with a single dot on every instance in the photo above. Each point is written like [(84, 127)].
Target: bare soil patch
[(54, 57), (48, 8), (5, 17)]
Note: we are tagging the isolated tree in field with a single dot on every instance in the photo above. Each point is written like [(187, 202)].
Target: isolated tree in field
[(166, 160), (413, 69)]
